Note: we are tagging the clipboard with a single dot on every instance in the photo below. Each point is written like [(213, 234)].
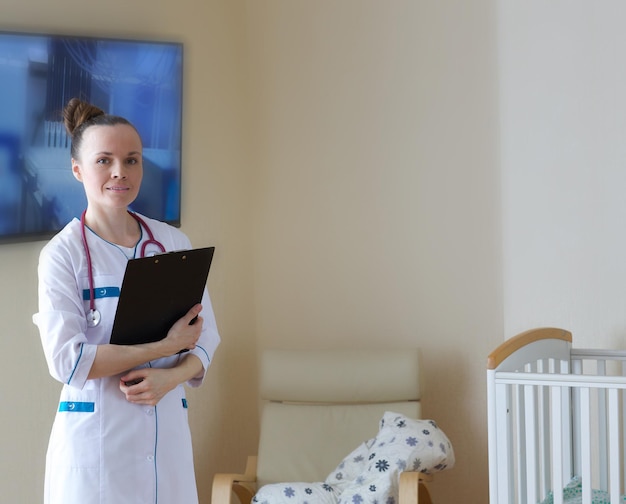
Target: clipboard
[(157, 291)]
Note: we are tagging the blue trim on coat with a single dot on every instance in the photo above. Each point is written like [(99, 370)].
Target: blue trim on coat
[(156, 468), (101, 292), (76, 365), (185, 405), (77, 407), (205, 353)]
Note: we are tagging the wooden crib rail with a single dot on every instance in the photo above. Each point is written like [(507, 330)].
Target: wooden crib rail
[(516, 342)]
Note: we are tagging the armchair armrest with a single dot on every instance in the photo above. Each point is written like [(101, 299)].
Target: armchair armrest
[(412, 489), (242, 485)]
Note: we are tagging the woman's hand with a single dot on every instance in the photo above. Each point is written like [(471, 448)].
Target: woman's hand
[(185, 333), (149, 385)]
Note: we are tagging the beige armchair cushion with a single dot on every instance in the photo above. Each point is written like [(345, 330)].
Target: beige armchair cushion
[(341, 376)]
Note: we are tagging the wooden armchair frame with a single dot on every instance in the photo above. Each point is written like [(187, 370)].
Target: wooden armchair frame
[(412, 488)]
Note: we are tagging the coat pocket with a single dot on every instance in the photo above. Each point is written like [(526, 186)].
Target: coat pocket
[(76, 435)]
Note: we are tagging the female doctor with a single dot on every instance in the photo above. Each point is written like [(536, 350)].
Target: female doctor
[(121, 433)]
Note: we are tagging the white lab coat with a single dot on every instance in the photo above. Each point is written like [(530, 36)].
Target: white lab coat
[(103, 449)]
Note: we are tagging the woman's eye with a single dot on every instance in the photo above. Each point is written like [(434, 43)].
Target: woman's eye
[(132, 161), (102, 161)]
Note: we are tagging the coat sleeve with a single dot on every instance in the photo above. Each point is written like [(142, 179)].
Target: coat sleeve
[(61, 320), (208, 342)]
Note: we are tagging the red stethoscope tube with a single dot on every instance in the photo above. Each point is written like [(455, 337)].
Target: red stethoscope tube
[(93, 316)]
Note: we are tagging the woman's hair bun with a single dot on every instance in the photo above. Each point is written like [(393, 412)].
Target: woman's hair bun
[(78, 112)]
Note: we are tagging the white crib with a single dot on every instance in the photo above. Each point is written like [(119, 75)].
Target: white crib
[(556, 421)]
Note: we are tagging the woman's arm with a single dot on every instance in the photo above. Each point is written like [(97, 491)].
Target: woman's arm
[(114, 359)]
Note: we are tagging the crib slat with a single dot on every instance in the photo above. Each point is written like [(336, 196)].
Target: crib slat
[(557, 443), (566, 426), (576, 407), (520, 448), (544, 433), (602, 435), (532, 453), (614, 445), (585, 442), (623, 429), (504, 445)]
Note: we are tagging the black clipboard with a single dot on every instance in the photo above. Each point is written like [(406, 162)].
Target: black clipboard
[(157, 291)]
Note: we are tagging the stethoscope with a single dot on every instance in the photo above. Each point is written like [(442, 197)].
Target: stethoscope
[(93, 316)]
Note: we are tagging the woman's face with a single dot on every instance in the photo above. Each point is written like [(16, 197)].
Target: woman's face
[(110, 165)]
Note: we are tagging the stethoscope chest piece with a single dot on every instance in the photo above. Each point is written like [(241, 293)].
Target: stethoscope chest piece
[(93, 318)]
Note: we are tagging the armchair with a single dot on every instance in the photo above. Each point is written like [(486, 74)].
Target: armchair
[(323, 404)]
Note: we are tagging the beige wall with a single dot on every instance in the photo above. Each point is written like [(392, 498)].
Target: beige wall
[(563, 122), (343, 158)]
